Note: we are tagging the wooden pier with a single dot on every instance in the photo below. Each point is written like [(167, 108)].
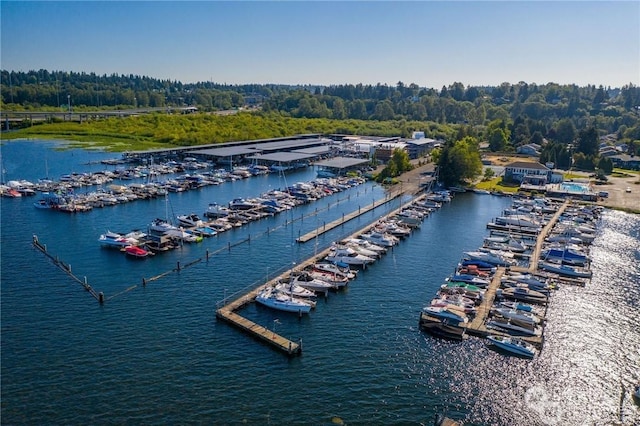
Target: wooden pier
[(477, 326), (228, 311), (346, 218), (537, 249), (228, 314)]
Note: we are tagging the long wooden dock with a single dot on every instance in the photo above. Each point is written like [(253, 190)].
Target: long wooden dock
[(346, 218), (477, 326), (326, 228), (537, 249), (227, 312), (535, 256)]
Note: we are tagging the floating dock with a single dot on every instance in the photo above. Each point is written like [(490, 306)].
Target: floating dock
[(227, 312), (345, 218), (477, 326)]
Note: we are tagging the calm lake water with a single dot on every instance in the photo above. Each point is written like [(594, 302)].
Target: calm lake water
[(157, 354)]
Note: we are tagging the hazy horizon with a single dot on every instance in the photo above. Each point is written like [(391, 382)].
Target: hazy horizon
[(431, 44)]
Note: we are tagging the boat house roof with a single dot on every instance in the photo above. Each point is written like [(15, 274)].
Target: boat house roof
[(281, 157), (342, 162), (228, 151), (315, 150), (526, 165)]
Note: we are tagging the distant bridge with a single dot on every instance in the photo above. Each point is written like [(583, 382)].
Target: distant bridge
[(8, 117)]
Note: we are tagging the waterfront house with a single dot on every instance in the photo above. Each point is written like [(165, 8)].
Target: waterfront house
[(531, 172), (626, 161)]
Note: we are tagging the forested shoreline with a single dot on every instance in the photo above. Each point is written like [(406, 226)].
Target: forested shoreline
[(566, 121)]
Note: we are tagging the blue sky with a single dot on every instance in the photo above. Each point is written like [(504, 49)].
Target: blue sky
[(424, 42)]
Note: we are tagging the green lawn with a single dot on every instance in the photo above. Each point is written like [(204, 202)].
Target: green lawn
[(496, 184)]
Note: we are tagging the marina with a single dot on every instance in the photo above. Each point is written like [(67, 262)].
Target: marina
[(514, 321), (163, 338)]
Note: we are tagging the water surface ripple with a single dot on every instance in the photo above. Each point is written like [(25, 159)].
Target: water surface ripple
[(156, 354)]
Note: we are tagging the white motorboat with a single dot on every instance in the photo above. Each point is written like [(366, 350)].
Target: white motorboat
[(336, 280), (295, 290), (113, 239), (519, 316), (277, 300), (380, 239), (336, 269), (565, 270), (180, 234), (470, 279), (242, 204), (447, 313), (517, 306), (305, 280), (456, 301), (512, 345), (190, 220), (489, 257), (216, 211), (393, 229), (358, 249), (520, 221), (349, 256), (512, 327), (366, 244), (522, 293), (161, 226)]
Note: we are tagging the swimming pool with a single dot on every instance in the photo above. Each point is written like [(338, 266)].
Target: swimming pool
[(575, 188)]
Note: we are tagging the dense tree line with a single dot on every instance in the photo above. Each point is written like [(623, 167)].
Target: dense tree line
[(566, 120), (37, 89)]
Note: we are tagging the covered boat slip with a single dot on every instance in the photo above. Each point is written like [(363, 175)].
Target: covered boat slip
[(229, 153), (340, 165)]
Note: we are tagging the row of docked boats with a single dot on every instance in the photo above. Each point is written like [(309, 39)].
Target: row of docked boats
[(518, 310), (511, 315), (113, 186), (162, 235), (297, 292)]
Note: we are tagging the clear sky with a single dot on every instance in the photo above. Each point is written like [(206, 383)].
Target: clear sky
[(424, 42)]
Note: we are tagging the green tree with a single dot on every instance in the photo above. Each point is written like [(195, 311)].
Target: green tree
[(497, 140), (565, 131), (459, 161), (588, 141), (537, 138), (606, 165), (384, 110), (339, 111), (488, 173)]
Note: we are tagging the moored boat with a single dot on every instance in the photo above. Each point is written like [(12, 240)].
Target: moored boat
[(113, 239), (283, 302), (512, 345), (454, 316), (136, 251), (565, 270)]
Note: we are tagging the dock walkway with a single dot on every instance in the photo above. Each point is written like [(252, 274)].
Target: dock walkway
[(346, 218), (477, 325), (227, 312)]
